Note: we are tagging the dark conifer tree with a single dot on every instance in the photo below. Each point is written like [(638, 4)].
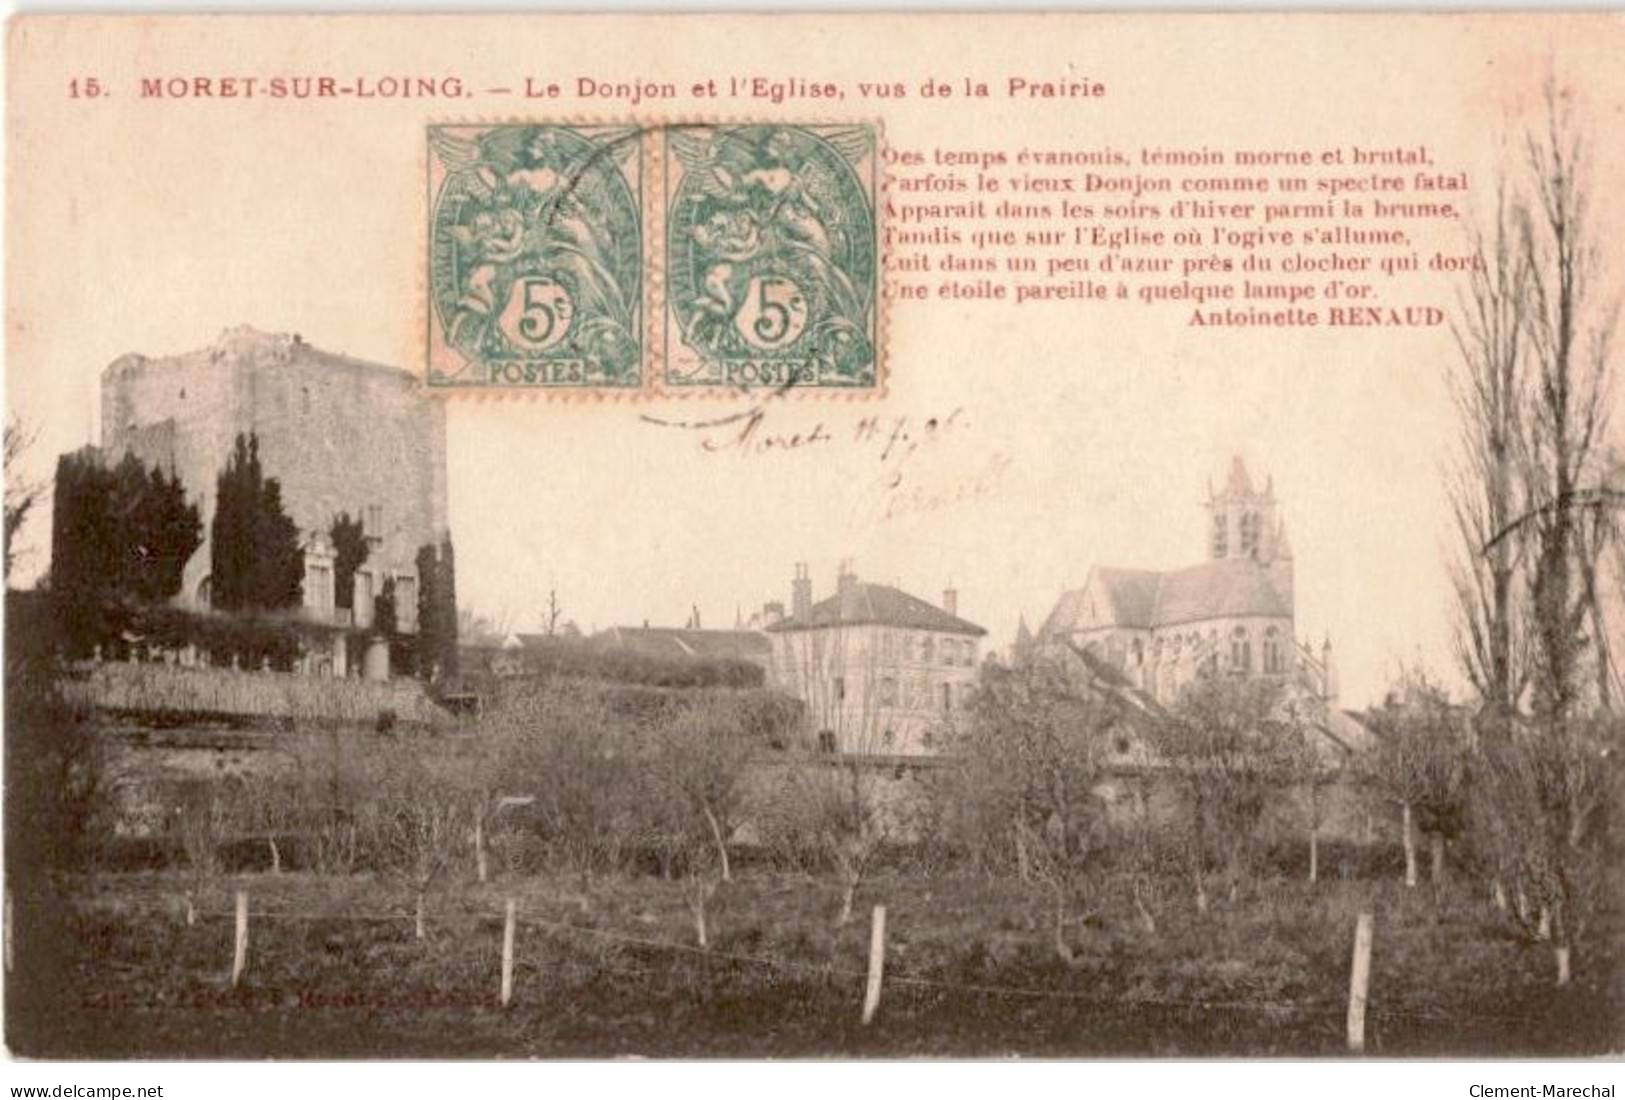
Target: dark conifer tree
[(349, 554), (257, 562)]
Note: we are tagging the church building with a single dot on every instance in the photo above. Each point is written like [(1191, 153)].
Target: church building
[(1233, 613)]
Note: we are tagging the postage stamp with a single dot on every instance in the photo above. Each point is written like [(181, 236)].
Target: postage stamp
[(536, 257), (771, 258)]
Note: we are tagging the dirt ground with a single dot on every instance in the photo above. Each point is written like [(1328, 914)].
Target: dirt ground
[(109, 968)]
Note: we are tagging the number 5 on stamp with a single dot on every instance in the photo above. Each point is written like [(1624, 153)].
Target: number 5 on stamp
[(536, 257), (771, 257)]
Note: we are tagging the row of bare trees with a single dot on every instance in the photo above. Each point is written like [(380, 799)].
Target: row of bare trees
[(1058, 774), (555, 778), (1537, 525)]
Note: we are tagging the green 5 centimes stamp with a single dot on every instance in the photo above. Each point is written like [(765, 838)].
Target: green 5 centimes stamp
[(771, 258), (535, 256)]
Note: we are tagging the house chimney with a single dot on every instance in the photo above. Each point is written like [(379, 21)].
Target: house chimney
[(950, 600), (846, 581), (801, 593)]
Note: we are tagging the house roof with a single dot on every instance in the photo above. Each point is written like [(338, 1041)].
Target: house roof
[(663, 641), (1143, 599), (881, 605)]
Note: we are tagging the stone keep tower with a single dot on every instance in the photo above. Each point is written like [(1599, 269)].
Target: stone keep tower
[(1244, 524), (342, 435)]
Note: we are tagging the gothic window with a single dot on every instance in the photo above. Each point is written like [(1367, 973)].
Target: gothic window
[(1272, 651), (1249, 535), (1241, 651), (947, 698), (1221, 535), (840, 689)]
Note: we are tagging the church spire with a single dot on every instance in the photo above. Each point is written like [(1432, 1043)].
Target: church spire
[(1024, 641), (1239, 484)]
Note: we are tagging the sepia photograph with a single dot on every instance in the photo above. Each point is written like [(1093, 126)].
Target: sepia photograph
[(818, 536)]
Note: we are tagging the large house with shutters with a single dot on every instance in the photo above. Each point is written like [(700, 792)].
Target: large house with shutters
[(1232, 613), (880, 671)]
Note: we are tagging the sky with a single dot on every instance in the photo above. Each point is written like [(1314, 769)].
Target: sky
[(1067, 434)]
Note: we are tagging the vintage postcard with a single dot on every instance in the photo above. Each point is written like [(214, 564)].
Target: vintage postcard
[(816, 536)]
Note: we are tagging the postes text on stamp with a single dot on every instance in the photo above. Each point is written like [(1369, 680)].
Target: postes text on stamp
[(771, 258), (536, 256)]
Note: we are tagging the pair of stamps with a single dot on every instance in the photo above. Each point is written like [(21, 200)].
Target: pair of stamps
[(693, 259)]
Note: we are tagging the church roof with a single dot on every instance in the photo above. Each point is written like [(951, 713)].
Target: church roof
[(1144, 599), (882, 605)]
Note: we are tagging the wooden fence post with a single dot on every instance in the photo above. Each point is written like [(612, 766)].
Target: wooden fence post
[(239, 955), (877, 962), (1359, 982), (507, 954), (1408, 835)]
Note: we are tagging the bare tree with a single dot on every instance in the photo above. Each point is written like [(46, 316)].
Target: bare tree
[(201, 821), (416, 815), (1421, 763), (1231, 752), (1602, 536), (834, 794), (698, 755), (1571, 336), (22, 494), (1485, 487), (1030, 765), (1539, 771), (1311, 772), (558, 744)]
